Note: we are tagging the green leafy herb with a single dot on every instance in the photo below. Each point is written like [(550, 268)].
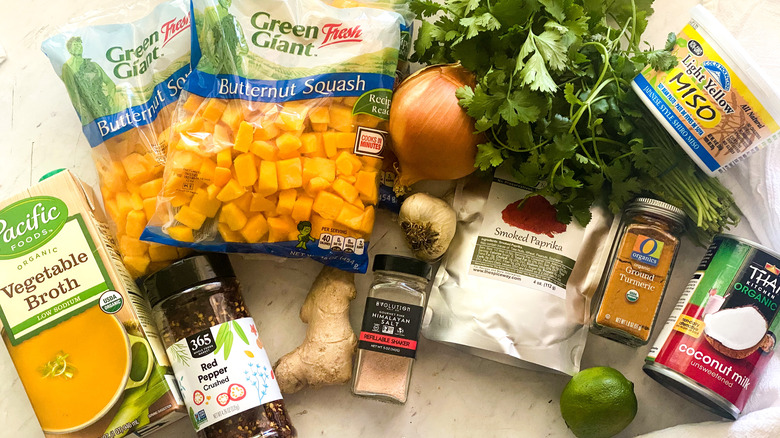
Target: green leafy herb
[(554, 98)]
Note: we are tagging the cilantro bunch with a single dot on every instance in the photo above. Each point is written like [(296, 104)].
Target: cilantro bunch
[(554, 99)]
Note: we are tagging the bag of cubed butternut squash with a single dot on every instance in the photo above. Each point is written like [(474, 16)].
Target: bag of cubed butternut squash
[(277, 139), (123, 80)]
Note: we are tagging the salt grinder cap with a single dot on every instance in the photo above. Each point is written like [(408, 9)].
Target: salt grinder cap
[(185, 274), (404, 265)]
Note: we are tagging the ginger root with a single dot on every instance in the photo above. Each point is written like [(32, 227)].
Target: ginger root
[(325, 356)]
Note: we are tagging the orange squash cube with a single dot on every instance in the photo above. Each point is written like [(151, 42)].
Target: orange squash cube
[(266, 131), (280, 228), (203, 204), (302, 209), (367, 224), (265, 150), (229, 235), (151, 188), (221, 176), (207, 169), (190, 217), (231, 191), (320, 115), (346, 190), (289, 173), (286, 201), (162, 253), (347, 163), (181, 233), (214, 109), (129, 246), (225, 158), (366, 185), (136, 265), (288, 143), (350, 216), (244, 137), (192, 104), (267, 181), (322, 167), (256, 227), (327, 205), (246, 169), (233, 115), (341, 118), (136, 167), (261, 203), (150, 206), (315, 185), (232, 216)]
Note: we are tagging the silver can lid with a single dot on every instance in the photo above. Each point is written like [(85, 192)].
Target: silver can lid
[(658, 208)]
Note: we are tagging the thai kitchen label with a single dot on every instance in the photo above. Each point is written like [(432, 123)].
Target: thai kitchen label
[(49, 264), (706, 103), (723, 331), (521, 241), (390, 327), (222, 371)]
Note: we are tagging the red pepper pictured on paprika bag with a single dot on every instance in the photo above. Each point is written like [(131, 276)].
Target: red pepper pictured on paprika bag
[(534, 214)]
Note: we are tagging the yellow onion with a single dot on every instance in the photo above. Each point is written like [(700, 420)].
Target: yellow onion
[(432, 136)]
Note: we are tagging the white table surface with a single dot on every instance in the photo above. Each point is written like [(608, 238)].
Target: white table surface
[(453, 394)]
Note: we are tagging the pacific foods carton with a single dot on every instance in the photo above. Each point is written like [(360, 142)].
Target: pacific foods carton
[(76, 326)]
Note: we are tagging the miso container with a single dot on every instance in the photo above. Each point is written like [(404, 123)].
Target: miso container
[(219, 361)]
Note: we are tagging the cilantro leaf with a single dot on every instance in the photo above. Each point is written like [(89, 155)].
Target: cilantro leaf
[(425, 8), (488, 156), (536, 76), (462, 7), (522, 106), (481, 23), (555, 8)]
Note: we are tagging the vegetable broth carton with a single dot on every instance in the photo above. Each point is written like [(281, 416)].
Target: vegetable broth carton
[(75, 324)]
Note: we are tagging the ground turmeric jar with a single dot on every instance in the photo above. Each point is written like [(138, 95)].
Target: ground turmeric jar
[(640, 265)]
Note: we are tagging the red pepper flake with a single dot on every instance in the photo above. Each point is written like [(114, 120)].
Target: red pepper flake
[(536, 215)]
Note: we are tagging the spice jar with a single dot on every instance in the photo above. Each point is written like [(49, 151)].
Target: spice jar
[(222, 369), (640, 265), (391, 326)]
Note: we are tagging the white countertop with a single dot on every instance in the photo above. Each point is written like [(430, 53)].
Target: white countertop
[(452, 393)]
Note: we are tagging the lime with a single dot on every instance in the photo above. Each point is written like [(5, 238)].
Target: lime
[(598, 403)]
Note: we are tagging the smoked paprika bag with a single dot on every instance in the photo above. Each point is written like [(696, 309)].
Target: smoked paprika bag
[(123, 81), (277, 139), (515, 284)]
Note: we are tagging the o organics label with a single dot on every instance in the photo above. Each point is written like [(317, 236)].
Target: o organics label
[(647, 250)]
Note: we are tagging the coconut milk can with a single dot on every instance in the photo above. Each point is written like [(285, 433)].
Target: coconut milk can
[(722, 332)]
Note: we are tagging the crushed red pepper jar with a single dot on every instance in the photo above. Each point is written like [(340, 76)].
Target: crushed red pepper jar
[(219, 361)]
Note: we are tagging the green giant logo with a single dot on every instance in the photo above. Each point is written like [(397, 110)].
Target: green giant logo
[(28, 224)]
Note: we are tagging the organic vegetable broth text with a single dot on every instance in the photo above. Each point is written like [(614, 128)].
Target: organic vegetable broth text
[(75, 324), (722, 331), (714, 109)]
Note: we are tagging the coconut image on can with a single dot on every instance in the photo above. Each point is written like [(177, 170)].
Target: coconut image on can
[(718, 340), (738, 332)]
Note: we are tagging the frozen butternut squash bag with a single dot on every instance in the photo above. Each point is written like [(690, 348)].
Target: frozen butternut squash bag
[(123, 80), (277, 138)]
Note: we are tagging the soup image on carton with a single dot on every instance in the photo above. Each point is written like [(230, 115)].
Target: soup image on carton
[(74, 323)]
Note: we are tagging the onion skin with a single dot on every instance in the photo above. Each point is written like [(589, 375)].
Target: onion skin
[(432, 136)]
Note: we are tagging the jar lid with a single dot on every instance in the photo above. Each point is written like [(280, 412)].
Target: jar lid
[(404, 265), (186, 273), (659, 208)]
